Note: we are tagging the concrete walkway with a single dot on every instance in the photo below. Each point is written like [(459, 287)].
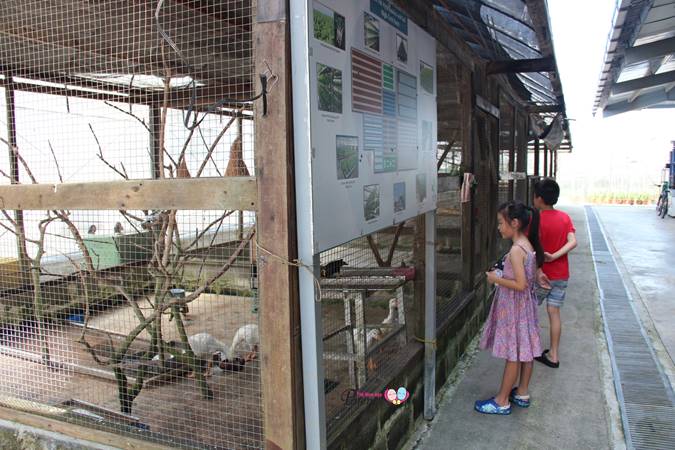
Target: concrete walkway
[(645, 246), (574, 407)]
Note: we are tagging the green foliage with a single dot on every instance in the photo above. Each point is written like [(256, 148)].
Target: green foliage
[(324, 30), (330, 88)]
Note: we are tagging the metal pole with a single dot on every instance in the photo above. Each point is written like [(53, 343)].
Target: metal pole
[(430, 317), (536, 157), (155, 113), (310, 310), (10, 105)]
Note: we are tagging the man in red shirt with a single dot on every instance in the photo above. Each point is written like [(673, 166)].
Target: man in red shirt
[(556, 233)]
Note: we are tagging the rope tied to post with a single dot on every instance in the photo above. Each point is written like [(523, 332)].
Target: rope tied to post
[(432, 342), (294, 263)]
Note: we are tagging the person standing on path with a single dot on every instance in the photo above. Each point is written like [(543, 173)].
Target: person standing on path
[(512, 329), (557, 235)]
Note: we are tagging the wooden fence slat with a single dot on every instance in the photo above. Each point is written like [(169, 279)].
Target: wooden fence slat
[(229, 193)]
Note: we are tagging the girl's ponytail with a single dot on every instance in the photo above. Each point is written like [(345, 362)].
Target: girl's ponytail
[(533, 236), (529, 220)]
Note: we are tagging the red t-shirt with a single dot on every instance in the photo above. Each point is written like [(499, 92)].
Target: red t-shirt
[(553, 229)]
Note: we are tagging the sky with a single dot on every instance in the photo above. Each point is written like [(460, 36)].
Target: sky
[(622, 153)]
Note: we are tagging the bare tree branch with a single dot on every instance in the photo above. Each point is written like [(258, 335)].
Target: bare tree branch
[(100, 155), (15, 150), (56, 161), (215, 143)]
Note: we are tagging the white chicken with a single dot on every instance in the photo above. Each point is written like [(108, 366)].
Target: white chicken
[(246, 341)]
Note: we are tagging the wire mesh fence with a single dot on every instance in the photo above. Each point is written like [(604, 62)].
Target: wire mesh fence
[(145, 321), (367, 304)]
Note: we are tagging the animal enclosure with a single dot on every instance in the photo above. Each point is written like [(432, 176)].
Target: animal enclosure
[(128, 281), (153, 241)]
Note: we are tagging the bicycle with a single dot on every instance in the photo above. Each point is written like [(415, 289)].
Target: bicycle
[(662, 203)]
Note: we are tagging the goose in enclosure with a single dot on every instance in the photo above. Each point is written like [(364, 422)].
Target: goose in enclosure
[(246, 339), (210, 349), (376, 334)]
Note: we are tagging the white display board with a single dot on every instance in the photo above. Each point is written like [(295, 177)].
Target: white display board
[(373, 119)]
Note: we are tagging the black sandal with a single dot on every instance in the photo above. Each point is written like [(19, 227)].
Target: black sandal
[(547, 362)]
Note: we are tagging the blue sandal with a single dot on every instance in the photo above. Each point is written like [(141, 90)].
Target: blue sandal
[(523, 402), (490, 406)]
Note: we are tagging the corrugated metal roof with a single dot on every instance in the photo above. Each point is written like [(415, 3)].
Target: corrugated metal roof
[(639, 66)]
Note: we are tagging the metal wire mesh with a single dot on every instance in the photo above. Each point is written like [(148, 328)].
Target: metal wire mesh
[(141, 322), (367, 307)]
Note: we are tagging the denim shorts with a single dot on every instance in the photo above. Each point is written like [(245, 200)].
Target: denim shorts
[(554, 296)]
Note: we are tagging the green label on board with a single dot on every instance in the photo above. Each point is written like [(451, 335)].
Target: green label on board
[(391, 14), (387, 77)]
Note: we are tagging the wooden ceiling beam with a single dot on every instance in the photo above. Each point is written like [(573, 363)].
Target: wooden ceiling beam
[(546, 64), (536, 109)]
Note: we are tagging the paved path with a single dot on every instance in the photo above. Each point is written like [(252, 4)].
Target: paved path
[(646, 246), (570, 407)]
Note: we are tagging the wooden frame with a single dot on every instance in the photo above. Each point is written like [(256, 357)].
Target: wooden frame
[(238, 193), (281, 363)]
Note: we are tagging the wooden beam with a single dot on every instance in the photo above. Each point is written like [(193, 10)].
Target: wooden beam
[(645, 52), (486, 106), (10, 105), (521, 154), (536, 157), (643, 101), (173, 193), (155, 126), (468, 230), (512, 151), (661, 79), (281, 363), (521, 66), (69, 430), (538, 109), (436, 25)]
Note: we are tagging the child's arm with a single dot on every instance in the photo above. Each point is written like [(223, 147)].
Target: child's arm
[(517, 256), (565, 249)]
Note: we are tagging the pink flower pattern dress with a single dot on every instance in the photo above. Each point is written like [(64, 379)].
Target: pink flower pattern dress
[(512, 327)]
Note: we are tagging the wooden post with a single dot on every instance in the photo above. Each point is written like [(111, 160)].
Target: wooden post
[(546, 174), (10, 106), (521, 156), (155, 113), (430, 316), (536, 157), (416, 313), (467, 124), (281, 368), (555, 163), (240, 214), (512, 150), (550, 164)]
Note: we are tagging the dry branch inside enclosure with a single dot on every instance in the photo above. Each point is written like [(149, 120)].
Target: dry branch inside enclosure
[(126, 269)]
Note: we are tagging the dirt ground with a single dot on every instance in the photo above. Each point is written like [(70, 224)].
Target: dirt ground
[(174, 409)]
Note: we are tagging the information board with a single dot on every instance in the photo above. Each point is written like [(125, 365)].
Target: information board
[(373, 119)]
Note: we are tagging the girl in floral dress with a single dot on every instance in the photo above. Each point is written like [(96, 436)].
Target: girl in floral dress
[(512, 329)]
